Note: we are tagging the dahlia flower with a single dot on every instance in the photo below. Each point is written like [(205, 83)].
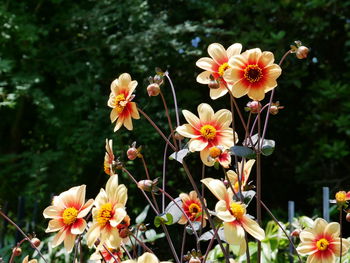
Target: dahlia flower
[(252, 73), (120, 100), (26, 260), (210, 129), (192, 207), (67, 212), (216, 66), (341, 197), (146, 258), (233, 214), (321, 242), (233, 177), (219, 154), (109, 211)]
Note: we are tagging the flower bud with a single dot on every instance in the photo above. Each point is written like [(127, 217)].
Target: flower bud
[(123, 233), (275, 107), (17, 251), (153, 89), (295, 233), (340, 197), (302, 52), (145, 185), (348, 217), (36, 241), (194, 260), (253, 106), (132, 153)]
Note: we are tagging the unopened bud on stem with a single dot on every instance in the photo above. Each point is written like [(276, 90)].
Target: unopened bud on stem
[(17, 251), (153, 89), (302, 52)]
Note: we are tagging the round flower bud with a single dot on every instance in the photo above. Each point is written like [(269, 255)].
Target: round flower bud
[(17, 251), (145, 185), (153, 89), (254, 106), (302, 52), (36, 241), (340, 197), (194, 260), (348, 217), (132, 153), (295, 233)]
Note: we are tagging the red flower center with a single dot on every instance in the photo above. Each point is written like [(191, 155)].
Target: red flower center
[(253, 73)]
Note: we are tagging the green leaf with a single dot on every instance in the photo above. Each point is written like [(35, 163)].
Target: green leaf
[(141, 217), (243, 151), (165, 218)]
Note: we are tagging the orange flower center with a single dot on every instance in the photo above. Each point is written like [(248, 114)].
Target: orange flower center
[(322, 244), (214, 152), (237, 210), (194, 208), (104, 214), (340, 196), (69, 215), (120, 103), (253, 73), (222, 68), (208, 132)]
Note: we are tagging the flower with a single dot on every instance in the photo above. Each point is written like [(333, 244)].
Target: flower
[(103, 255), (216, 66), (26, 260), (120, 100), (233, 177), (210, 129), (321, 242), (221, 155), (341, 197), (146, 258), (252, 73), (67, 212), (109, 211), (233, 214), (109, 157), (192, 207)]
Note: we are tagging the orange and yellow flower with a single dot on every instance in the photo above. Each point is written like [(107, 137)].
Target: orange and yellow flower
[(67, 212), (252, 72), (233, 177), (233, 214), (219, 154), (120, 100), (192, 207), (322, 243), (26, 260), (216, 66), (210, 129), (109, 211), (341, 197), (109, 157)]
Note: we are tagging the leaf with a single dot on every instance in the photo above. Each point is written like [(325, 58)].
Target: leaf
[(174, 210), (243, 151), (178, 156), (151, 235), (164, 218), (196, 225), (209, 235), (268, 147), (141, 217)]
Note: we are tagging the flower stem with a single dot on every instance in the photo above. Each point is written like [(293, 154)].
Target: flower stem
[(183, 244), (341, 235), (141, 243), (110, 253), (21, 231), (157, 128), (147, 175), (164, 173), (258, 184), (211, 243), (17, 246), (175, 100), (284, 231)]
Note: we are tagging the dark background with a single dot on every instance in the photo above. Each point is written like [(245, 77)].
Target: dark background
[(58, 58)]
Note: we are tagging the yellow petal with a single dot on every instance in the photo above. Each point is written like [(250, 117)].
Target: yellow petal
[(204, 77), (78, 226), (239, 89), (118, 124), (217, 187), (86, 208), (148, 258), (217, 93), (113, 237), (111, 185), (187, 131), (223, 118), (222, 212), (205, 112), (218, 53), (266, 59), (336, 246), (59, 237), (253, 55), (253, 228), (92, 234), (204, 154), (119, 215), (52, 212), (273, 71), (55, 225), (131, 87), (306, 236), (134, 112), (205, 63), (124, 80), (234, 233), (120, 195), (319, 225), (192, 119), (306, 248), (234, 49), (332, 229), (256, 93), (128, 123), (226, 138)]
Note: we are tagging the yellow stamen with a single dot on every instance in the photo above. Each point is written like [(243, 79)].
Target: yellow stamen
[(340, 196), (208, 132), (237, 210), (222, 68), (194, 208), (322, 244), (120, 102), (69, 215), (104, 214), (214, 152), (253, 73)]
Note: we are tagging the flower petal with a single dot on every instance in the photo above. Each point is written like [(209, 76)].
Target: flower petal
[(273, 71), (239, 88), (332, 229), (253, 55), (217, 187), (192, 119), (222, 212), (148, 258), (234, 233), (306, 248), (52, 212), (217, 93), (78, 226), (128, 123), (92, 234), (134, 112), (187, 131), (114, 115), (205, 112), (124, 80), (336, 246), (205, 63), (119, 215), (69, 242), (204, 154), (196, 145), (218, 53), (234, 49), (266, 59), (253, 228), (55, 225), (118, 124), (256, 93), (204, 77), (111, 185), (59, 237), (86, 208), (223, 118)]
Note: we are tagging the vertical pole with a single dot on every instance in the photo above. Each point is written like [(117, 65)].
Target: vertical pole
[(20, 216), (325, 203), (3, 225), (291, 210)]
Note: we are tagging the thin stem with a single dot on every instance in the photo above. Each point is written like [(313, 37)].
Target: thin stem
[(110, 253), (13, 250), (258, 184), (147, 175), (157, 128), (170, 243), (141, 243), (284, 231), (183, 244), (169, 119), (164, 172), (247, 244), (103, 259), (21, 231), (211, 243), (256, 119), (341, 234), (211, 222), (126, 251)]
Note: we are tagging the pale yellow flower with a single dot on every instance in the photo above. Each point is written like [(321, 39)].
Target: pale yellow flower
[(233, 177), (108, 212), (67, 212), (210, 129), (26, 260), (192, 207), (216, 66), (321, 242), (120, 100), (233, 214), (253, 73), (146, 258)]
